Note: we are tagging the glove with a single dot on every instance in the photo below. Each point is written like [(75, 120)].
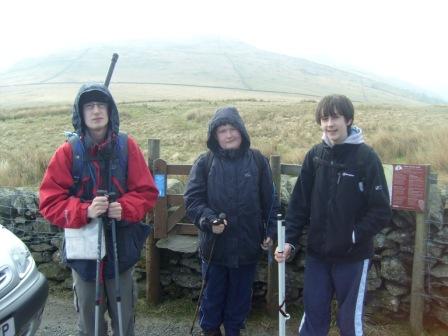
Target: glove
[(206, 223)]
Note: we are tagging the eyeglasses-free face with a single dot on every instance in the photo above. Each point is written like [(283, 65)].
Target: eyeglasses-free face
[(335, 127), (228, 137)]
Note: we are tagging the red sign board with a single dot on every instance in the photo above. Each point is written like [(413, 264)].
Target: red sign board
[(409, 187)]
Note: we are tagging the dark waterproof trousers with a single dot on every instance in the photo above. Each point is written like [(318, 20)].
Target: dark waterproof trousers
[(227, 297), (345, 281)]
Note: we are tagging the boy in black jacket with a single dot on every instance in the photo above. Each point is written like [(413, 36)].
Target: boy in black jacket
[(342, 197)]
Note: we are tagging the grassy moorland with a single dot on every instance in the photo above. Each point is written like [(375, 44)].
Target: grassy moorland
[(400, 134)]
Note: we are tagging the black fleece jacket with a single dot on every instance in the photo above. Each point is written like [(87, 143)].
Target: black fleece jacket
[(342, 204)]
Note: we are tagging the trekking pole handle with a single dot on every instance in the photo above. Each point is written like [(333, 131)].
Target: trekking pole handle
[(220, 219), (101, 192), (112, 196), (111, 69), (222, 216)]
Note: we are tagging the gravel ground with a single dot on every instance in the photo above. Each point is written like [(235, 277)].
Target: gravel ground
[(59, 319)]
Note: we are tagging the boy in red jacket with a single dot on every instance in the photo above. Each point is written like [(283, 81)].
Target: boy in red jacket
[(99, 157)]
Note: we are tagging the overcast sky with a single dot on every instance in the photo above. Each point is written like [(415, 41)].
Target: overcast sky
[(401, 39)]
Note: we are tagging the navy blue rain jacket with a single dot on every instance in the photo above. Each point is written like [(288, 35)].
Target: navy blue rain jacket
[(234, 186)]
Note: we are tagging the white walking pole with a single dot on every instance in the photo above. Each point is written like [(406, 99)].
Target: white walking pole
[(282, 316)]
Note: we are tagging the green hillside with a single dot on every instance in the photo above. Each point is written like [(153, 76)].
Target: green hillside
[(199, 69)]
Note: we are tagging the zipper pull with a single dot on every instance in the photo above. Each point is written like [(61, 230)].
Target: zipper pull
[(339, 178)]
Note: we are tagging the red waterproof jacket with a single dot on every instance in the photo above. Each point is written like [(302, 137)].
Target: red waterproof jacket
[(67, 211)]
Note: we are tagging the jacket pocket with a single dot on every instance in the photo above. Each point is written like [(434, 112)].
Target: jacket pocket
[(339, 240)]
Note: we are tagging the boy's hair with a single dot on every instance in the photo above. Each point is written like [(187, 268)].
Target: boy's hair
[(330, 105)]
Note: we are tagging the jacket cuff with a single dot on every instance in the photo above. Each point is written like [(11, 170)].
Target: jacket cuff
[(205, 223), (272, 232), (293, 251)]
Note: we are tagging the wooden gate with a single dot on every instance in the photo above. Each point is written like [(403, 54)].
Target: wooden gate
[(165, 222)]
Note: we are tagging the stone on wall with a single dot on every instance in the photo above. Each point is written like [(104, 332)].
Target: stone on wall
[(394, 269), (179, 243)]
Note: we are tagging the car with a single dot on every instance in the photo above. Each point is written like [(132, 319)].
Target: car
[(23, 289)]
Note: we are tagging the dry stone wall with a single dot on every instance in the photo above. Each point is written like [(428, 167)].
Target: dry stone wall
[(389, 279)]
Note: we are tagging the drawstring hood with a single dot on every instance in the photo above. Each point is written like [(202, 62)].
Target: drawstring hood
[(223, 116), (94, 92), (355, 137)]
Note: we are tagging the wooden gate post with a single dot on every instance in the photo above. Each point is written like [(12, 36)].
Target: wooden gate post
[(272, 285), (152, 252)]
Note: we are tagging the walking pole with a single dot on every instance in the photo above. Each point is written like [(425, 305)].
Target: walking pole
[(282, 315), (222, 216), (100, 226), (111, 69), (112, 198), (98, 269)]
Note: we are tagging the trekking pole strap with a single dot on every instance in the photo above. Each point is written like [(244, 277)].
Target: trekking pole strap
[(281, 311)]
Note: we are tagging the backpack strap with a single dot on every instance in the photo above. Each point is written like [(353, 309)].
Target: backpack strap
[(82, 166), (259, 159), (78, 157), (362, 155), (318, 158), (209, 156), (119, 163)]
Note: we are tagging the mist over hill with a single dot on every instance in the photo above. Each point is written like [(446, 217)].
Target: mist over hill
[(145, 67)]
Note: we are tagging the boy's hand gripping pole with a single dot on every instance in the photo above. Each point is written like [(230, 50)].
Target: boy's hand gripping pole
[(282, 315)]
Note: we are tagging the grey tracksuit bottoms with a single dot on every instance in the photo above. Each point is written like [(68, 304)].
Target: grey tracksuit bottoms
[(84, 300)]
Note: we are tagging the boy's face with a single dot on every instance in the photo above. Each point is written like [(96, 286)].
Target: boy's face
[(335, 127), (228, 137), (95, 115)]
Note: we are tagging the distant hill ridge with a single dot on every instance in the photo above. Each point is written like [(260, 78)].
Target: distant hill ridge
[(210, 63)]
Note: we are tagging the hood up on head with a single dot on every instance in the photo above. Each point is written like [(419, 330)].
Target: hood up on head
[(94, 92), (226, 115)]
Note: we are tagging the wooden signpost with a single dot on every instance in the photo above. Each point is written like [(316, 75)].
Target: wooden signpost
[(410, 185)]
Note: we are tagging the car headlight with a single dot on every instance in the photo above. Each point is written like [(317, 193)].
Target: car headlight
[(22, 259)]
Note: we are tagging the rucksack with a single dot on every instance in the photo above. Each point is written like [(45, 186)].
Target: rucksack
[(362, 153), (82, 166)]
